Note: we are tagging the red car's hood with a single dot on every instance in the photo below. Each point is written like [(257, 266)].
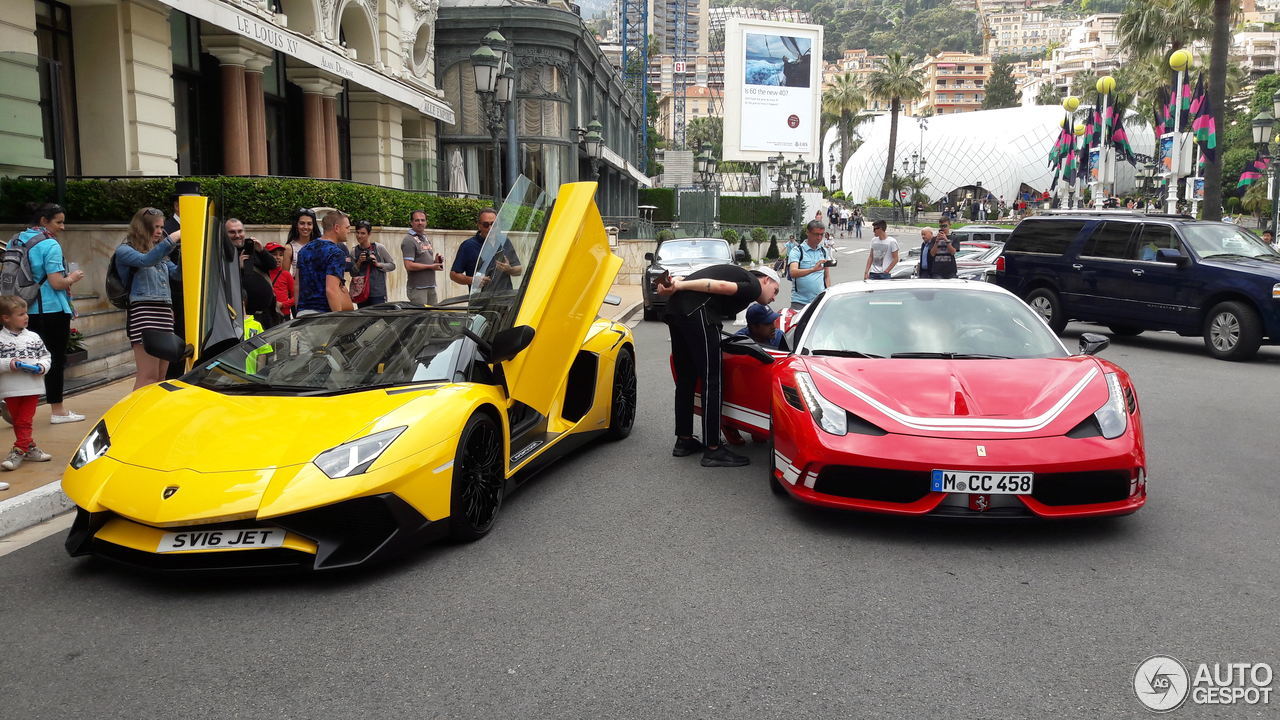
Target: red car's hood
[(965, 398)]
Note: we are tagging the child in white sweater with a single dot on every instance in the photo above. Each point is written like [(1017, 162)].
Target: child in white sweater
[(23, 360)]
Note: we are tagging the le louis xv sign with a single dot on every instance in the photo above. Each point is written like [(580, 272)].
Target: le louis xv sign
[(273, 37)]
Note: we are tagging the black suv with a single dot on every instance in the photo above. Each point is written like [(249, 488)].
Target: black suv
[(1138, 272)]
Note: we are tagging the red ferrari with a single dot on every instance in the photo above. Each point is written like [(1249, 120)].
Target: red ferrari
[(939, 397)]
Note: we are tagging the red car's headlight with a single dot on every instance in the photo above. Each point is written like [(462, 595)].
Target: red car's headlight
[(1112, 416)]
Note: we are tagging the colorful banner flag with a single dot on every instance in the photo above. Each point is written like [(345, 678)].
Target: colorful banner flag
[(1160, 110), (1254, 172), (1070, 163), (1061, 146), (1118, 138), (1184, 106), (1203, 126)]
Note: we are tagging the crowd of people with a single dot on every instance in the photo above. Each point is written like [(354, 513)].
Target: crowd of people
[(326, 264)]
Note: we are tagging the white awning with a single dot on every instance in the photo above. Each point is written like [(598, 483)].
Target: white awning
[(616, 161), (309, 51)]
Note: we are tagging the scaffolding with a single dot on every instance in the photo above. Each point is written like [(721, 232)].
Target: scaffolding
[(635, 64)]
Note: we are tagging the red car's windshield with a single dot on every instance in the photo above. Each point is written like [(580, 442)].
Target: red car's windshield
[(930, 322)]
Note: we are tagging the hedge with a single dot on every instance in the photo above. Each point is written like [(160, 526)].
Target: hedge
[(761, 210), (662, 198), (259, 201)]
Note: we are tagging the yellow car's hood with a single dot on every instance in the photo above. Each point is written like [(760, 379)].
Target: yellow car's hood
[(197, 429)]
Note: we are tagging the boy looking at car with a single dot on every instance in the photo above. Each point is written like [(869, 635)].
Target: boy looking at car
[(23, 361)]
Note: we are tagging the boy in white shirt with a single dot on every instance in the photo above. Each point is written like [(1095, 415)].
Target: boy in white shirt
[(23, 361)]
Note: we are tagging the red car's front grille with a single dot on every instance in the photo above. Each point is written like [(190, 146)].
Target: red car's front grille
[(878, 484), (1081, 488)]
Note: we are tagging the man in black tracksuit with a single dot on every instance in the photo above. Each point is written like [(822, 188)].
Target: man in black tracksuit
[(696, 305)]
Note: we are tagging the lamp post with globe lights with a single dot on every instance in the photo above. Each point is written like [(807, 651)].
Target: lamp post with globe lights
[(495, 84), (1106, 164), (1179, 62)]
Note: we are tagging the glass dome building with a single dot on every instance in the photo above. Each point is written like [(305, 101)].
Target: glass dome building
[(1004, 150)]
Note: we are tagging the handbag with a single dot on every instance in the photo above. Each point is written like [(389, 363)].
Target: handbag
[(360, 287), (360, 284)]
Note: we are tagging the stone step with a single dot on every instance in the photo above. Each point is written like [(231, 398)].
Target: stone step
[(104, 363), (106, 342), (94, 322), (105, 374)]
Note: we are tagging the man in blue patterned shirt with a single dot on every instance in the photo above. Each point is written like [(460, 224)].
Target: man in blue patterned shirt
[(322, 267)]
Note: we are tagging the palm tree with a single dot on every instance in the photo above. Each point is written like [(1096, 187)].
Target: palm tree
[(898, 184), (894, 80), (1162, 26), (844, 99), (1219, 49), (1083, 83)]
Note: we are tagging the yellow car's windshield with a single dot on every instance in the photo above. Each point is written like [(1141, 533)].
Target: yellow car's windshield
[(510, 250), (347, 351)]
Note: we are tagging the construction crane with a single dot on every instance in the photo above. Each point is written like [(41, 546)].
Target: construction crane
[(986, 27), (634, 15)]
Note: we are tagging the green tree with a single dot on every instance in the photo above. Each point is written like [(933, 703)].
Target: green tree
[(1084, 83), (1255, 201), (894, 81), (844, 99), (1001, 92), (1162, 26), (705, 129), (1048, 95)]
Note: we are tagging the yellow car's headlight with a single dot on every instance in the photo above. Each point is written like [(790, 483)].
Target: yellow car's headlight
[(94, 446), (355, 457)]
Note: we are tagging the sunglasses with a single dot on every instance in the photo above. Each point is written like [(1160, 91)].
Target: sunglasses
[(486, 224)]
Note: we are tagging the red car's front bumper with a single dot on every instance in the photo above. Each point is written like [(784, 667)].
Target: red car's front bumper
[(1074, 477)]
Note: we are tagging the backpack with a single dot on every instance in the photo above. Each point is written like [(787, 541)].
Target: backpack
[(117, 288), (16, 276)]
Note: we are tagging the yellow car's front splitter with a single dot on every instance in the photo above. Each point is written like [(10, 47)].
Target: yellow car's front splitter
[(336, 536)]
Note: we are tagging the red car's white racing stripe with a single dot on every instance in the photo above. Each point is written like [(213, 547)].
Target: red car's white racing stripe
[(970, 425)]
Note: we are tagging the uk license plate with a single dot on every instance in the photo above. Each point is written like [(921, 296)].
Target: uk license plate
[(981, 481), (236, 539)]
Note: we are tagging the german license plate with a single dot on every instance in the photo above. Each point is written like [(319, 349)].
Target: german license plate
[(990, 483), (237, 539)]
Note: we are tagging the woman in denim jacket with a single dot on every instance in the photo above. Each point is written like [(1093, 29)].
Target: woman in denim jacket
[(142, 261)]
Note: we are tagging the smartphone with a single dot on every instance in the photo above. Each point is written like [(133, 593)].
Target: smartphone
[(28, 367), (830, 263), (664, 278)]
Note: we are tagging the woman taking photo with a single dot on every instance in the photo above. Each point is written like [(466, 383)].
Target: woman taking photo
[(370, 262), (51, 312), (143, 263)]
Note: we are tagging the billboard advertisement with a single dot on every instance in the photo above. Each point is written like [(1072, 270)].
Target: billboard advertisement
[(773, 90)]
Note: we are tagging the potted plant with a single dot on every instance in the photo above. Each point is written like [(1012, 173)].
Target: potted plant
[(76, 351)]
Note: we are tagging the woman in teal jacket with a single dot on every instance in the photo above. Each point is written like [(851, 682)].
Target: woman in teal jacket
[(51, 313)]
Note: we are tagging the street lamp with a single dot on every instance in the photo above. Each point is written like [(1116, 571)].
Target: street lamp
[(1263, 129), (495, 84), (593, 144)]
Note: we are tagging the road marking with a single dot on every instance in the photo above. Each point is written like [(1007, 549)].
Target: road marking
[(854, 252), (36, 533)]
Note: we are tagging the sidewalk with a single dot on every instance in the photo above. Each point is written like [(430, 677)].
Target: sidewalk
[(34, 496)]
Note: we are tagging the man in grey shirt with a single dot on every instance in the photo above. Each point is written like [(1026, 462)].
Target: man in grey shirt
[(420, 260)]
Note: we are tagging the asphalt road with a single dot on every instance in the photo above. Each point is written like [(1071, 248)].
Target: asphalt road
[(626, 583)]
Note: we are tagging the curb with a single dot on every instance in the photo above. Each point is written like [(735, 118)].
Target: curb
[(32, 508), (630, 310)]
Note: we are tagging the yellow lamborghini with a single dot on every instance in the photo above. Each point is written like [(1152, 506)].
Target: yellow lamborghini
[(335, 439)]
